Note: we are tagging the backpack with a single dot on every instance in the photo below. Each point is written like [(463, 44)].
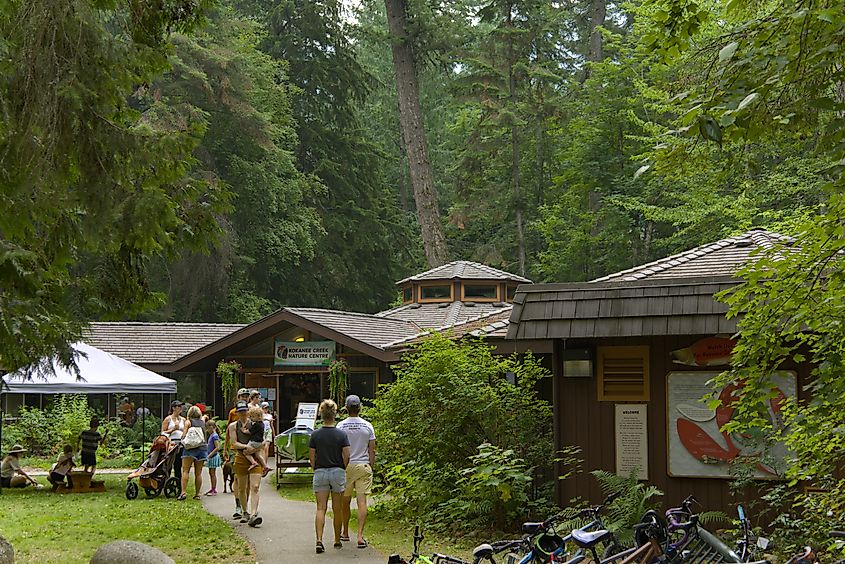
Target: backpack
[(194, 438)]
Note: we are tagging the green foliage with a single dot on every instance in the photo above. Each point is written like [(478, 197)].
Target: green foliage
[(46, 431), (97, 188), (627, 509), (338, 381), (450, 397), (229, 374), (498, 484)]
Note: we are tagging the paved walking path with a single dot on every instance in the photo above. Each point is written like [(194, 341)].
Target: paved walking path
[(287, 534)]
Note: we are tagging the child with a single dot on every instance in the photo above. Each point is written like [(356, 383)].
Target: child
[(254, 427), (61, 469), (90, 440), (214, 460)]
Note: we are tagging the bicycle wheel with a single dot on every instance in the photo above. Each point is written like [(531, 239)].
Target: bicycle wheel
[(655, 529)]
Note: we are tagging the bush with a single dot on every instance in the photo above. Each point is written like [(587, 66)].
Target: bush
[(460, 444), (44, 432)]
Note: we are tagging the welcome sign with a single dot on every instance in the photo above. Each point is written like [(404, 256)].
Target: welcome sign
[(303, 353)]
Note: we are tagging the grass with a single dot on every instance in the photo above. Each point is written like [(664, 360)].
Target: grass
[(119, 461), (383, 533), (48, 527)]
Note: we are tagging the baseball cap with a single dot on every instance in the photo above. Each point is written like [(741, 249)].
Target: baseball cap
[(264, 404), (175, 403), (243, 392), (353, 401), (241, 406)]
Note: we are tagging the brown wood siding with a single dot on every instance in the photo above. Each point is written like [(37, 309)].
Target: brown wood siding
[(586, 422)]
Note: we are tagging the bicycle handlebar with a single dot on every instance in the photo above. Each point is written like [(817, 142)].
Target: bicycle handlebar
[(741, 512)]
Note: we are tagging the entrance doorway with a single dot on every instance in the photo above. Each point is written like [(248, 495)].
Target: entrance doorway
[(296, 388)]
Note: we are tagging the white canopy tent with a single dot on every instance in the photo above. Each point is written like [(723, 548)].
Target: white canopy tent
[(99, 373)]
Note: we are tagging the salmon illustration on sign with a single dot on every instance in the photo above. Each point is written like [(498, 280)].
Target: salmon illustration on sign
[(712, 351)]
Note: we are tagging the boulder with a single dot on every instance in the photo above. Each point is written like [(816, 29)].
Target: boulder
[(129, 552), (7, 553)]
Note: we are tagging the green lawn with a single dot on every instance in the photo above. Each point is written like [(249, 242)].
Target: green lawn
[(68, 528), (382, 533)]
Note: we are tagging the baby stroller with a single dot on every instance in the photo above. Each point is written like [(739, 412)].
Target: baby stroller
[(154, 473)]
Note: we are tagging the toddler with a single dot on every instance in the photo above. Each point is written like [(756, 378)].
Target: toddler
[(254, 427)]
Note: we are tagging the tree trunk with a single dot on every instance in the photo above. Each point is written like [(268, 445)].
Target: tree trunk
[(413, 135), (598, 13), (515, 177)]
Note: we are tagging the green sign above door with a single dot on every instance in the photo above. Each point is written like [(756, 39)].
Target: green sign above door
[(303, 353)]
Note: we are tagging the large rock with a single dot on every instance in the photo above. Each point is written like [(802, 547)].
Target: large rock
[(7, 553), (129, 552)]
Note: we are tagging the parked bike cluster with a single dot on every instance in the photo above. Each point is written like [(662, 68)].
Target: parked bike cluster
[(675, 537)]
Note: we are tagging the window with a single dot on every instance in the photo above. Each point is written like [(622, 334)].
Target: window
[(623, 374), (480, 292), (436, 293), (511, 293), (363, 383), (407, 294)]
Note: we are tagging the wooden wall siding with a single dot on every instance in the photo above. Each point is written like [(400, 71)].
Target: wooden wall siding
[(585, 421), (664, 307)]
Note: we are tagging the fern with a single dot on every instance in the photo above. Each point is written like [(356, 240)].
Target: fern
[(625, 511)]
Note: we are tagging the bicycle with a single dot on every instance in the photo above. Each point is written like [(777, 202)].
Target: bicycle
[(650, 533), (481, 553)]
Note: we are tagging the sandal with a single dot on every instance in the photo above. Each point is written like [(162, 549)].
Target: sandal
[(320, 548), (338, 544), (182, 497), (345, 538), (363, 543), (197, 496)]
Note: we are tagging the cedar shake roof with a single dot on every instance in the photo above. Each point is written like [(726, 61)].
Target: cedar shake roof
[(621, 309), (670, 296), (478, 326), (437, 315), (722, 258), (375, 331), (465, 270), (154, 343)]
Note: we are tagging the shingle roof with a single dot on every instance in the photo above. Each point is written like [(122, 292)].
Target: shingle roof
[(480, 325), (465, 270), (721, 258), (154, 343), (621, 309), (434, 315), (370, 329)]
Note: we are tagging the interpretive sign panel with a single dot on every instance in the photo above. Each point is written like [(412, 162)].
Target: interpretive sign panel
[(698, 448), (632, 439)]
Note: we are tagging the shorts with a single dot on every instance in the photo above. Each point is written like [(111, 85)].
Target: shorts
[(268, 435), (214, 461), (241, 466), (359, 477), (329, 480), (199, 454), (88, 458), (255, 444)]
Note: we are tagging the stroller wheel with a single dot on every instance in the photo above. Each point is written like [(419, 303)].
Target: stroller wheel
[(152, 492), (131, 490), (172, 487)]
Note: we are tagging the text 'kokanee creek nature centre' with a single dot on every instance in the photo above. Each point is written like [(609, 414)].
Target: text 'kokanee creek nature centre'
[(631, 354)]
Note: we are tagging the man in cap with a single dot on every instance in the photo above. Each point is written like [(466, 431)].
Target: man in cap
[(243, 396), (359, 472)]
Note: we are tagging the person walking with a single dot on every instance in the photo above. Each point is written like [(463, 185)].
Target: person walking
[(214, 459), (248, 479), (269, 429), (173, 426), (242, 396), (328, 451), (194, 452), (359, 471)]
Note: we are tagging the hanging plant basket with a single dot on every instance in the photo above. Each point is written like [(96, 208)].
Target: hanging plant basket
[(230, 376), (338, 381)]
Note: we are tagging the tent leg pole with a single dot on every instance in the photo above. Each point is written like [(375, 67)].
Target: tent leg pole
[(143, 426)]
